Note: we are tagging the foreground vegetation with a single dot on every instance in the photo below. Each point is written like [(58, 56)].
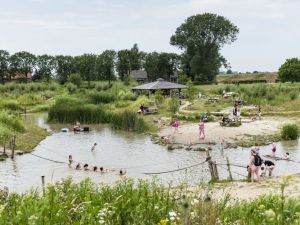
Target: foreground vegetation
[(143, 202)]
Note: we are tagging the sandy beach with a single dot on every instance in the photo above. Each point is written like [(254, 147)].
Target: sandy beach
[(189, 133)]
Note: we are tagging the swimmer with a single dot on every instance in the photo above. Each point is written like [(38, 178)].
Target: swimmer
[(70, 160), (94, 146), (286, 156), (95, 168), (122, 172), (86, 167), (78, 166)]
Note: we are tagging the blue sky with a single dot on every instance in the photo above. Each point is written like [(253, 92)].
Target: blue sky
[(269, 29)]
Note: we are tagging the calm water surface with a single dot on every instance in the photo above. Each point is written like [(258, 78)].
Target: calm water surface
[(135, 153)]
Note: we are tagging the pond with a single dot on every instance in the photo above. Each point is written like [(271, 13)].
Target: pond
[(123, 150)]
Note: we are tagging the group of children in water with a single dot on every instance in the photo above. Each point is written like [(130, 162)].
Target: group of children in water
[(86, 166)]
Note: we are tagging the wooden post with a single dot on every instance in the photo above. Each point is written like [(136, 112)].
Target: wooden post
[(210, 165), (4, 149), (25, 112), (228, 167), (43, 185), (13, 147), (216, 174)]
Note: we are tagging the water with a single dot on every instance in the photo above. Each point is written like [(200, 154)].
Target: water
[(135, 153)]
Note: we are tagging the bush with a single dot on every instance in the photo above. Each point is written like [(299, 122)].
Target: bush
[(75, 79), (71, 88), (11, 122), (290, 132), (293, 95), (174, 105)]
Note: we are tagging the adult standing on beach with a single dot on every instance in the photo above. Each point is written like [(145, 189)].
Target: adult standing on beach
[(254, 165)]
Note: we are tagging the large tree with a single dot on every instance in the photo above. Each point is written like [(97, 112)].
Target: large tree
[(64, 67), (22, 63), (105, 65), (86, 66), (290, 70), (4, 65), (160, 65), (201, 37), (128, 60), (45, 66)]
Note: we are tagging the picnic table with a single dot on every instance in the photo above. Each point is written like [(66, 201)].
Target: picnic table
[(213, 100)]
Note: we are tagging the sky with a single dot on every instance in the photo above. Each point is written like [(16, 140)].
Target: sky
[(269, 29)]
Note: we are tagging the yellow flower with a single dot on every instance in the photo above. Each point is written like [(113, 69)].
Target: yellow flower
[(163, 222)]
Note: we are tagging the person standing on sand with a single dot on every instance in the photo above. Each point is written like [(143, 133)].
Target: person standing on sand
[(201, 130), (175, 125), (254, 165)]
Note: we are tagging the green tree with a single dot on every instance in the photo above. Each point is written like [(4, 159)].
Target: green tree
[(64, 67), (290, 70), (85, 65), (105, 65), (201, 37), (190, 91), (22, 63), (45, 67), (4, 65), (174, 105), (160, 65), (128, 60)]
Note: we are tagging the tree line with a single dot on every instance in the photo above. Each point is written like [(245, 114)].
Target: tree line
[(107, 65), (200, 37)]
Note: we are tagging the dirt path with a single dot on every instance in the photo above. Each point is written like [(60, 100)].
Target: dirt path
[(246, 190), (189, 133)]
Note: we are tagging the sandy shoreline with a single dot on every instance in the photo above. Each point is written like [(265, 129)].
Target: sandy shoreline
[(189, 133)]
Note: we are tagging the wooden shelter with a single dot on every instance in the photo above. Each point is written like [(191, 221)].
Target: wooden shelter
[(159, 84)]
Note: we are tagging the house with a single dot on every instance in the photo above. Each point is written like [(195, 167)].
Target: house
[(139, 75)]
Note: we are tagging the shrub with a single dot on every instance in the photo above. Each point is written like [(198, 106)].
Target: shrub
[(11, 122), (71, 88), (290, 132), (293, 95), (174, 105), (75, 79)]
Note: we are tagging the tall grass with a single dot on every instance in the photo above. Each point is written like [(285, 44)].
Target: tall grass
[(11, 122), (290, 132), (147, 203), (68, 110)]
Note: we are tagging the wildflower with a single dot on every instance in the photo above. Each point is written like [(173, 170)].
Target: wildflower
[(32, 220), (163, 222), (195, 201), (270, 214)]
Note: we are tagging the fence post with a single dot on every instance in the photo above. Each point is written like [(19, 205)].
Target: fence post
[(212, 167), (43, 185), (13, 147), (228, 167), (216, 174)]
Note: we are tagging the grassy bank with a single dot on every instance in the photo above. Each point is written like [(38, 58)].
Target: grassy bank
[(144, 202)]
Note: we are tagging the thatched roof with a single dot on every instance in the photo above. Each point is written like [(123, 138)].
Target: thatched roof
[(139, 74), (160, 84)]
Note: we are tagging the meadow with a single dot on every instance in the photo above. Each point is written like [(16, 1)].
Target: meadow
[(117, 105), (143, 202)]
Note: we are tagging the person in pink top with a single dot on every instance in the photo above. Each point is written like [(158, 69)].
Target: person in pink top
[(175, 125), (254, 165), (201, 129)]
